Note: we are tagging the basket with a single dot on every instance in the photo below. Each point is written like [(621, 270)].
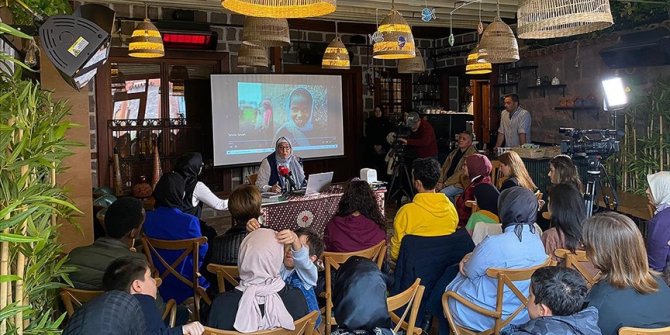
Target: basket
[(529, 153), (552, 151)]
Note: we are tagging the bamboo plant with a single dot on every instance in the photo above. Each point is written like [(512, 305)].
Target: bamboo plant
[(32, 148)]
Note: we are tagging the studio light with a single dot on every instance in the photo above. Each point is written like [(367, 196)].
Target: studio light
[(615, 93)]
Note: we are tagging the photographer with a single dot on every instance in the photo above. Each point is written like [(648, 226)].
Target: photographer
[(422, 139)]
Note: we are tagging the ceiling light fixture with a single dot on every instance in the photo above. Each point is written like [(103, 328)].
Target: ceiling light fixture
[(550, 19), (336, 56), (146, 41), (281, 8), (396, 41)]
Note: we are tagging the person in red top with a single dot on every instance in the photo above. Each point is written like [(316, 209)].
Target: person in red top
[(422, 140)]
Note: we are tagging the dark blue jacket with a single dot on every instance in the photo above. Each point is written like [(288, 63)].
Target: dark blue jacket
[(428, 258), (152, 317)]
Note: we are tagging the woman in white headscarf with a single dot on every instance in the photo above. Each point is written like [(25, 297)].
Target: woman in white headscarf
[(269, 178), (262, 300), (658, 228), (300, 111)]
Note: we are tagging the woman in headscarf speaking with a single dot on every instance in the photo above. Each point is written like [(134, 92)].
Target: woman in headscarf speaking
[(269, 178), (517, 247)]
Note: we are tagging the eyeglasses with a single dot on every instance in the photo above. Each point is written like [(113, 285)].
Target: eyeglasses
[(284, 147)]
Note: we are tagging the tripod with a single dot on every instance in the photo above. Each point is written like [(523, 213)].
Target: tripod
[(400, 171), (594, 183)]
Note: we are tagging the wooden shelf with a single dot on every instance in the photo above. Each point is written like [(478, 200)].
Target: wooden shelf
[(579, 108), (521, 68), (505, 84), (544, 88)]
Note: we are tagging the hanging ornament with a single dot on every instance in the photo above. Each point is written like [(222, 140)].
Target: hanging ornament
[(428, 14), (480, 28), (378, 36), (401, 41), (451, 32)]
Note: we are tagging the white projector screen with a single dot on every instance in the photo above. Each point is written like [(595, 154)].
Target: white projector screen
[(250, 111)]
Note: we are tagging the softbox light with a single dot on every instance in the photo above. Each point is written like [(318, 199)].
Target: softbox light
[(78, 44)]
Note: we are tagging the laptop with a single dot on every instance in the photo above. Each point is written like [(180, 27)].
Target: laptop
[(318, 182)]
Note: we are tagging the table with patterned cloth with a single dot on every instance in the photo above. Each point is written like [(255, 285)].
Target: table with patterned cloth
[(312, 211)]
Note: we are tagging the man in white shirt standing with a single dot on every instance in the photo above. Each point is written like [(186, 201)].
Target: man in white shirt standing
[(514, 124)]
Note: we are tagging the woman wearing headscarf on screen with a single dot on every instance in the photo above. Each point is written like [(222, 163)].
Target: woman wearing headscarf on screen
[(268, 174), (299, 124)]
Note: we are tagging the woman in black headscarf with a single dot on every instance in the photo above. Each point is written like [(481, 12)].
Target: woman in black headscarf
[(189, 166), (359, 300)]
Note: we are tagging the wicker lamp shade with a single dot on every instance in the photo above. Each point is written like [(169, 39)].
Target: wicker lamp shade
[(412, 65), (498, 39), (478, 62), (281, 8), (560, 18), (336, 56), (265, 32), (397, 42), (252, 56), (146, 41)]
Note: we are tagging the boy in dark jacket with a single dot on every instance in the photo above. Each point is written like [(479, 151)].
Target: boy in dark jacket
[(556, 305), (133, 276)]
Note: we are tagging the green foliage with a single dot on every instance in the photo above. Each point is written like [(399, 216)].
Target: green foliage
[(32, 144), (42, 7)]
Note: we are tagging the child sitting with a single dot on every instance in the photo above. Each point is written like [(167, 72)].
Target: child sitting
[(556, 305), (303, 249), (132, 275)]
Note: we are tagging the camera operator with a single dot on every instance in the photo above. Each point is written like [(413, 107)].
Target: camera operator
[(422, 140)]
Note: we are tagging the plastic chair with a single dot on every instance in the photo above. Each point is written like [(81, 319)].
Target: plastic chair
[(578, 261), (643, 331), (332, 261), (411, 298), (225, 273), (304, 325), (505, 278)]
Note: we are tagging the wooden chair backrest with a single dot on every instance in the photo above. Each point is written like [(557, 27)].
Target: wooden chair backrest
[(497, 177), (505, 278), (472, 204), (188, 247), (643, 331), (252, 178), (411, 298), (333, 260), (74, 298), (303, 326), (225, 273), (578, 261)]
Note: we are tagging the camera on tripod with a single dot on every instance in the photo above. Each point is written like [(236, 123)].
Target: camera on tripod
[(581, 144)]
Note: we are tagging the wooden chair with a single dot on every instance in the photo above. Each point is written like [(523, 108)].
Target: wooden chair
[(188, 247), (472, 204), (411, 298), (643, 331), (497, 177), (332, 261), (304, 325), (505, 277), (252, 178), (225, 273), (74, 298), (578, 261)]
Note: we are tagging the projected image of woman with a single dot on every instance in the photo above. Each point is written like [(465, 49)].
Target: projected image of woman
[(300, 111), (268, 173)]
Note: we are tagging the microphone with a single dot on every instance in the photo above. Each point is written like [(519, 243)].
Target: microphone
[(286, 173)]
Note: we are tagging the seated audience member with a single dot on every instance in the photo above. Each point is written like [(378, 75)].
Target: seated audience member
[(478, 169), (658, 228), (189, 166), (358, 223), (359, 299), (513, 168), (567, 217), (112, 313), (168, 222), (628, 294), (133, 276), (429, 213), (123, 223), (268, 173), (556, 305), (452, 177), (516, 248), (486, 196), (563, 171), (262, 300)]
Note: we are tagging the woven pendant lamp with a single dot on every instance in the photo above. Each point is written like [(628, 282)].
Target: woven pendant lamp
[(478, 62), (265, 32), (397, 39), (560, 18), (146, 41), (412, 65), (498, 39), (336, 56), (252, 56), (281, 8)]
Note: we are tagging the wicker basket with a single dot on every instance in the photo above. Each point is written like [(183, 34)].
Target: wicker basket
[(560, 18), (266, 32), (336, 56), (412, 65), (281, 9), (498, 39), (252, 56), (398, 41), (529, 153)]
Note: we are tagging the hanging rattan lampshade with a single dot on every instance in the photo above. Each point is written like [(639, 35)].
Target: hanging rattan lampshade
[(281, 8), (560, 18), (336, 56), (397, 39), (412, 65), (265, 32), (146, 41), (477, 62), (498, 39), (252, 56)]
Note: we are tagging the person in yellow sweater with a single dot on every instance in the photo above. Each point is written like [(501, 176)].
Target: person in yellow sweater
[(430, 213)]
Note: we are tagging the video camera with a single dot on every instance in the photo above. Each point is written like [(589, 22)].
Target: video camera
[(581, 144)]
